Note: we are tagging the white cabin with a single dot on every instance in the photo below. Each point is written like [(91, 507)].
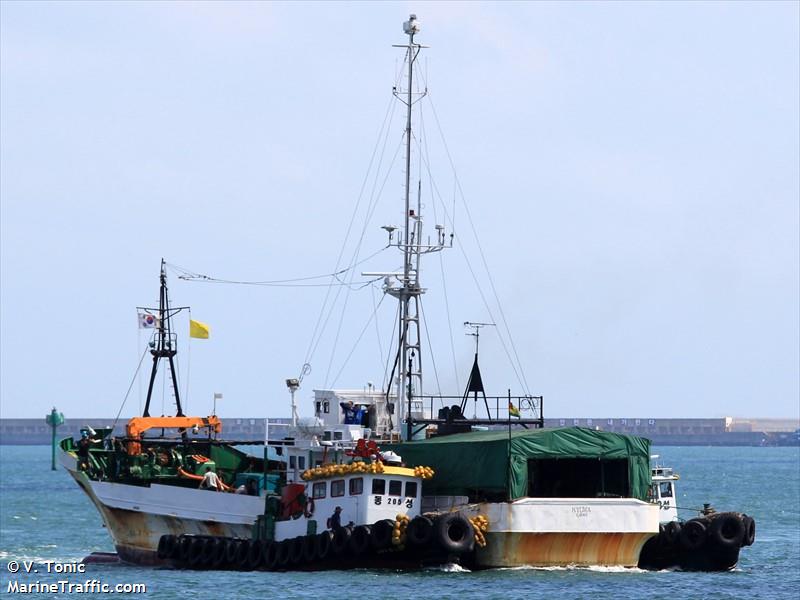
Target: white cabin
[(363, 497), (662, 492)]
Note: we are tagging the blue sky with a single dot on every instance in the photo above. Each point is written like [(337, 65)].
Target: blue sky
[(631, 170)]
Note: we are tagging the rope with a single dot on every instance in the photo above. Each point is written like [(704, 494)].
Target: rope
[(130, 387)]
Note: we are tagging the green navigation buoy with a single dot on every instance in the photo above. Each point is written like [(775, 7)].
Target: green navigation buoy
[(54, 419)]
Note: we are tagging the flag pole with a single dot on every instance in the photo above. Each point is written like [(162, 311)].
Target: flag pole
[(508, 465)]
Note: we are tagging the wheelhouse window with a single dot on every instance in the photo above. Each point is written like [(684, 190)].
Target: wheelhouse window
[(301, 462), (665, 489), (395, 488), (337, 488), (292, 462), (318, 491), (411, 489), (356, 486), (379, 486)]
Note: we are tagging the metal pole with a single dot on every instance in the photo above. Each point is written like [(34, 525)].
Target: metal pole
[(53, 448), (508, 472), (404, 374)]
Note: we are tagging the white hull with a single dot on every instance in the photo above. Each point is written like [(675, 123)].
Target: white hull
[(565, 531), (137, 516)]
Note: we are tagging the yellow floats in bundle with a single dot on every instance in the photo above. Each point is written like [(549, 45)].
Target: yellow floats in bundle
[(481, 525), (338, 470), (424, 472), (399, 531)]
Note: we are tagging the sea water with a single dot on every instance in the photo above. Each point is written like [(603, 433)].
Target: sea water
[(45, 517)]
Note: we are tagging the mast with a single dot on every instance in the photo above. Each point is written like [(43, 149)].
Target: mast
[(409, 358), (164, 344)]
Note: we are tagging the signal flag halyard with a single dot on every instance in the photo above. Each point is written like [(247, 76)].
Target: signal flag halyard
[(198, 330), (513, 410)]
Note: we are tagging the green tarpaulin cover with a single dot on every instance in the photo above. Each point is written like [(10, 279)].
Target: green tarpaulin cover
[(480, 461)]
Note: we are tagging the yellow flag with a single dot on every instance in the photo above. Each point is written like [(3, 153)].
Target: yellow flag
[(513, 411), (198, 329)]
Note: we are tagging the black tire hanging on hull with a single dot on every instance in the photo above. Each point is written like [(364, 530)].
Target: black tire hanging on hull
[(727, 531), (749, 530), (341, 540), (324, 545), (420, 531), (360, 540), (454, 534), (381, 534), (693, 534)]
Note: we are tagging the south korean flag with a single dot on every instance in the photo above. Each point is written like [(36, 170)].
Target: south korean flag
[(147, 321)]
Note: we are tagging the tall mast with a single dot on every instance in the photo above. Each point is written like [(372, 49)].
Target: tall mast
[(164, 344), (409, 359)]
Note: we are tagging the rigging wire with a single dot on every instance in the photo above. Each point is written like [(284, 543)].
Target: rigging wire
[(317, 332), (395, 324), (515, 362), (355, 344), (433, 359), (377, 329), (130, 387), (480, 249), (372, 205), (192, 276), (441, 258)]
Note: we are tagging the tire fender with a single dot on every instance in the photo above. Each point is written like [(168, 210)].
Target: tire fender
[(420, 531), (454, 533), (693, 534), (728, 531)]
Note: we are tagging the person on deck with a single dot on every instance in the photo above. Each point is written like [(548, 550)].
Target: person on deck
[(335, 520), (83, 451), (210, 481), (352, 413)]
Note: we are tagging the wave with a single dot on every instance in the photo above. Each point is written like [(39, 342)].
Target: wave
[(594, 568)]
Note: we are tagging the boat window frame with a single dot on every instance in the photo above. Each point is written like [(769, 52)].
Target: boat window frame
[(382, 482), (397, 483), (351, 485), (319, 485), (336, 483), (416, 489)]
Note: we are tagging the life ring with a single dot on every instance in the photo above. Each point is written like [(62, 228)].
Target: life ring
[(381, 537), (454, 533), (308, 510), (693, 534), (727, 530), (419, 531), (360, 540), (323, 545), (749, 530)]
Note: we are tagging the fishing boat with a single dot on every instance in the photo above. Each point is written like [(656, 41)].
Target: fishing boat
[(389, 475)]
